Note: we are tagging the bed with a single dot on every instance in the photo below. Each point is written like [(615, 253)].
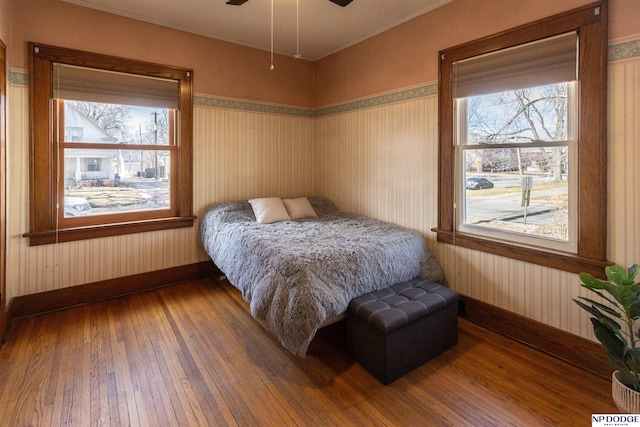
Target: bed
[(299, 274)]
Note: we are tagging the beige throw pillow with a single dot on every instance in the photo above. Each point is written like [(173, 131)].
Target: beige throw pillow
[(299, 208), (269, 209)]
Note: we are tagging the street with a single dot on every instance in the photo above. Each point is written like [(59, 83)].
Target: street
[(507, 207)]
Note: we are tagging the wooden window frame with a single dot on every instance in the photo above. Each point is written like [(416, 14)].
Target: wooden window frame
[(590, 22), (45, 227)]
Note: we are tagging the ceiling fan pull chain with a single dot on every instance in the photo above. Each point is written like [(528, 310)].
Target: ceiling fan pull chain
[(297, 55), (272, 67)]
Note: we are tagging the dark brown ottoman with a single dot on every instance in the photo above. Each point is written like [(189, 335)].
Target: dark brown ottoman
[(393, 331)]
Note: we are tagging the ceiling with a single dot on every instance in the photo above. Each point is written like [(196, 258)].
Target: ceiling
[(324, 27)]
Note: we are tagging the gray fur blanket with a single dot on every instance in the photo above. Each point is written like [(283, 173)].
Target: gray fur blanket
[(297, 274)]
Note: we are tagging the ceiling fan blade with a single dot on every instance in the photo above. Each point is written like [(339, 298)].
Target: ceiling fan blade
[(237, 2), (342, 3)]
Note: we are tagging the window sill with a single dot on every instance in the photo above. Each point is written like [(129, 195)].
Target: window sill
[(107, 230), (561, 261)]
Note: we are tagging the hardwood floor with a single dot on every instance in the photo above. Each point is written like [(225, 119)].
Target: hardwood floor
[(191, 354)]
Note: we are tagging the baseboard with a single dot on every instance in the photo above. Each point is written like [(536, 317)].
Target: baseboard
[(573, 349), (44, 302)]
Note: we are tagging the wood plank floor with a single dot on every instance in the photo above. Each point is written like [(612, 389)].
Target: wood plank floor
[(191, 354)]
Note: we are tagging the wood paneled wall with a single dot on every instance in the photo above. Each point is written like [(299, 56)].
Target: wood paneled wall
[(381, 161), (624, 155), (241, 154)]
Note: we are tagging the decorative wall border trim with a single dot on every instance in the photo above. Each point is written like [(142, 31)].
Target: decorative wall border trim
[(18, 78), (207, 101), (616, 52), (624, 50), (375, 101)]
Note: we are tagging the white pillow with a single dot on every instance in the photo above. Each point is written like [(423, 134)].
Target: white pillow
[(299, 208), (269, 209)]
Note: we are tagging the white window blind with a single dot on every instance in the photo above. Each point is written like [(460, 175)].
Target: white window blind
[(92, 85), (549, 61)]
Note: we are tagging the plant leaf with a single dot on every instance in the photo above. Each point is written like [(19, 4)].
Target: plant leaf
[(601, 317), (612, 301), (634, 309), (611, 342), (627, 375), (591, 282), (625, 295), (618, 275), (602, 307), (632, 352)]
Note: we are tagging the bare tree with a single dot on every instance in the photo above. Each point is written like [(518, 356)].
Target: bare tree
[(111, 118), (522, 116), (156, 129)]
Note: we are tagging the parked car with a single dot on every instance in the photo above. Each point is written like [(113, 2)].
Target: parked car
[(76, 206), (476, 183)]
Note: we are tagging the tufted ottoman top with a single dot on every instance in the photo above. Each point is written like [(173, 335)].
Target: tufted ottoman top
[(389, 309)]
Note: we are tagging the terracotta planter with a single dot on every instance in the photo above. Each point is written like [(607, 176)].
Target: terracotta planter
[(626, 399)]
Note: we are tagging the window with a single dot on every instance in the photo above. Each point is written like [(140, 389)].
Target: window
[(93, 165), (523, 142), (111, 144), (516, 111)]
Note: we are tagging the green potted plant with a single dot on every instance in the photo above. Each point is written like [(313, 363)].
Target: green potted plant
[(614, 326)]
